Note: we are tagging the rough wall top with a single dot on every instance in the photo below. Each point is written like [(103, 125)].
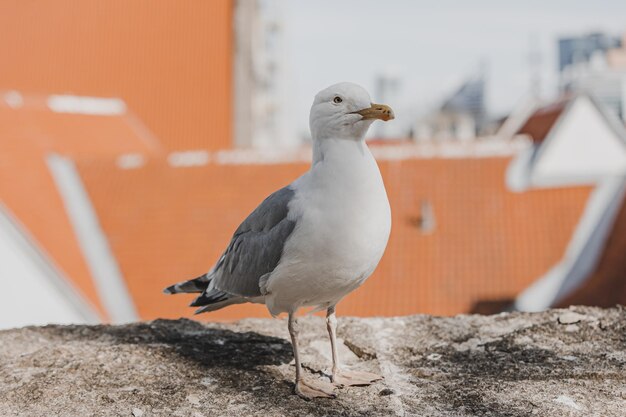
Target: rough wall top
[(560, 362)]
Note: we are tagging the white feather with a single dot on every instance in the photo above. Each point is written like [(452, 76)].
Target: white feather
[(342, 211)]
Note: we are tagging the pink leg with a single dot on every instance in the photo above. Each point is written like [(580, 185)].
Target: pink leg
[(305, 387), (340, 376)]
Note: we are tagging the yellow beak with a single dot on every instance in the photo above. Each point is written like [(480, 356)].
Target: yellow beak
[(376, 111)]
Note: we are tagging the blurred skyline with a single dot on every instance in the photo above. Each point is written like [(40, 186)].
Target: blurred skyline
[(433, 47)]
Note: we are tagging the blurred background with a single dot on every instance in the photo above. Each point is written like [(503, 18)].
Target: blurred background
[(136, 136)]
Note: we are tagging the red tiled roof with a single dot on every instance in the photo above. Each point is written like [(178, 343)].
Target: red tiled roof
[(488, 243), (606, 285), (29, 192), (170, 61), (27, 134), (72, 134), (166, 224), (542, 120)]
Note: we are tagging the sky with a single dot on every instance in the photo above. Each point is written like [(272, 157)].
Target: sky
[(432, 46)]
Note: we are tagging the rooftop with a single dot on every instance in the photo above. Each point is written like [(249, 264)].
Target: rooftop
[(606, 286), (31, 129), (458, 231), (540, 123), (170, 63)]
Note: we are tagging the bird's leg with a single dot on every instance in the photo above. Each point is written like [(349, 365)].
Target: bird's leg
[(341, 376), (331, 325), (306, 388)]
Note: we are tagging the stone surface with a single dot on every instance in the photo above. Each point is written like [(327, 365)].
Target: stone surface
[(505, 365)]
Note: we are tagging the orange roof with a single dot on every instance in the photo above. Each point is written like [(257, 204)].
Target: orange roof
[(72, 134), (166, 224), (169, 61), (29, 192), (488, 243), (542, 120), (606, 285), (28, 133)]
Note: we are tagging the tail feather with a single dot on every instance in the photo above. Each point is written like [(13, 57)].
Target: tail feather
[(210, 299), (220, 304), (195, 285)]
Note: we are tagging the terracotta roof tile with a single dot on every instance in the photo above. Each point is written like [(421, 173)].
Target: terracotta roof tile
[(166, 224), (606, 286), (75, 135), (171, 62), (28, 134), (541, 121), (28, 191)]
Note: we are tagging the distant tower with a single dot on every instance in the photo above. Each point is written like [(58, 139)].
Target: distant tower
[(469, 100)]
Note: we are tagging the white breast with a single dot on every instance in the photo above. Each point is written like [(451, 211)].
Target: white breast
[(343, 226)]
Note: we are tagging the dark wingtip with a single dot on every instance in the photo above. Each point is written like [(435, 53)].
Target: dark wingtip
[(169, 290), (198, 301), (199, 311)]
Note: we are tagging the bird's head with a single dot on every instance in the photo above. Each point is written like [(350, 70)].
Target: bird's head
[(345, 111)]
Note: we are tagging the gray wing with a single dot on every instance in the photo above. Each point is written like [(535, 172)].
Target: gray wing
[(256, 246)]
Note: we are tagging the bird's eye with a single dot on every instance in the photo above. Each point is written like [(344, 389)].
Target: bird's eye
[(337, 100)]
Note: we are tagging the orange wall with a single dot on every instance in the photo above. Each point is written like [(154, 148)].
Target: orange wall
[(170, 61)]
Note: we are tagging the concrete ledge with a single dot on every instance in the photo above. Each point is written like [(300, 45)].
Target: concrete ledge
[(556, 363)]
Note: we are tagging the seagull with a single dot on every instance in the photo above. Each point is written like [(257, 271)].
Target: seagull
[(314, 241)]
